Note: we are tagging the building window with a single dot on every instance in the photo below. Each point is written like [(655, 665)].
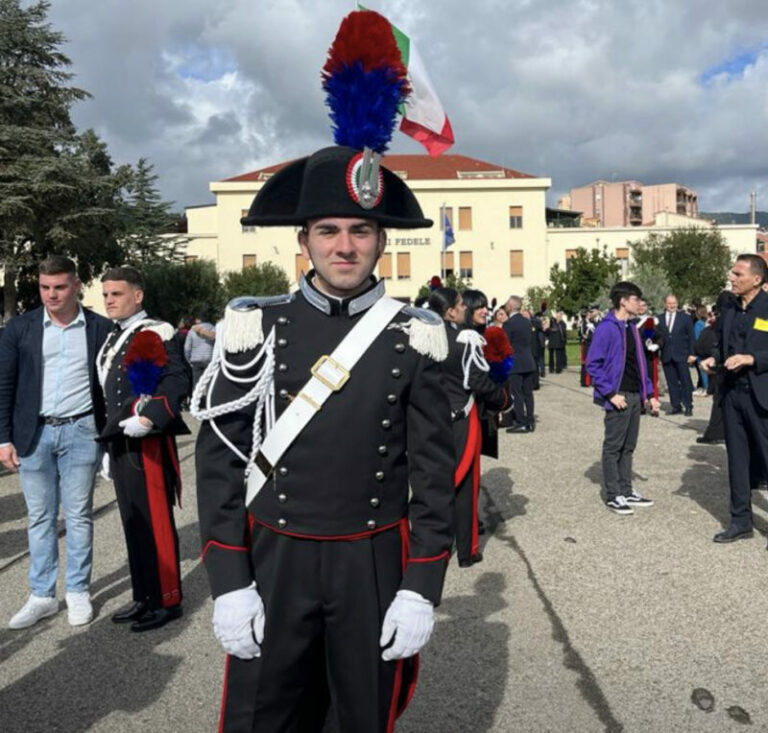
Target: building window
[(302, 266), (515, 217), (385, 267), (190, 258), (622, 257), (569, 255), (515, 263), (465, 265), (465, 217), (447, 263), (249, 261), (403, 265), (244, 212)]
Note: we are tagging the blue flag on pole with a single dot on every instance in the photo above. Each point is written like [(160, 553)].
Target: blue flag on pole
[(448, 239)]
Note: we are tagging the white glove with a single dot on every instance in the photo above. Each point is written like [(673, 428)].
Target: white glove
[(104, 472), (651, 346), (238, 622), (133, 427), (410, 618)]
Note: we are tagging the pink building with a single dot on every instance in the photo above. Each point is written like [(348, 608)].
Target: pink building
[(630, 203)]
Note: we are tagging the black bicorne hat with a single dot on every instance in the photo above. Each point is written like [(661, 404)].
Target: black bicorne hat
[(327, 184)]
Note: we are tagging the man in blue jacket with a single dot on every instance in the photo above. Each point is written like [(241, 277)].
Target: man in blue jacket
[(51, 411), (677, 354), (617, 366)]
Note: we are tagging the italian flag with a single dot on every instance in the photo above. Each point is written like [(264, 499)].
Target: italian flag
[(422, 117)]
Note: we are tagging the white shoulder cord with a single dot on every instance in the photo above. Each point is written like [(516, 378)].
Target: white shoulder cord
[(473, 353), (262, 393)]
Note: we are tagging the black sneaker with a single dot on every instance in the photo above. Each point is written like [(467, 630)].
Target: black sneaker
[(620, 505), (634, 499)]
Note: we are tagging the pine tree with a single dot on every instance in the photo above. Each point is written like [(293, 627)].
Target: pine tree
[(56, 187)]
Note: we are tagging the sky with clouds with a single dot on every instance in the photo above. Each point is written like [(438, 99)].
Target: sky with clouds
[(656, 90)]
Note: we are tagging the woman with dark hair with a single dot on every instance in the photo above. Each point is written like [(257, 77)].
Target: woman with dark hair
[(470, 390), (476, 316)]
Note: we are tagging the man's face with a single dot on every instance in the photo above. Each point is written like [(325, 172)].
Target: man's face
[(671, 303), (344, 252), (642, 308), (121, 299), (631, 305), (742, 279), (457, 313), (59, 292)]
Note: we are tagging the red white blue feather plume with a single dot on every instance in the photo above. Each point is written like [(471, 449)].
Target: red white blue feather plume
[(365, 82)]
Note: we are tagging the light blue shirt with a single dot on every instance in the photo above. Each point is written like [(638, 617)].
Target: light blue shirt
[(66, 383)]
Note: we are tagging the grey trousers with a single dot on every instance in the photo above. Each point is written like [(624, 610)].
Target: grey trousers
[(621, 430)]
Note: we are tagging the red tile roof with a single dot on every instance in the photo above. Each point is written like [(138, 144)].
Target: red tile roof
[(418, 167)]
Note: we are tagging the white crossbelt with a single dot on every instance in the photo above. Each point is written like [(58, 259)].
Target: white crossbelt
[(329, 375)]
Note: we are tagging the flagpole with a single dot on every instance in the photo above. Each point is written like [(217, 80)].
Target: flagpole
[(442, 244)]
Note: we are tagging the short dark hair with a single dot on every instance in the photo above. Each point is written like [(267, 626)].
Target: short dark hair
[(57, 265), (127, 273), (623, 289), (757, 265), (441, 299)]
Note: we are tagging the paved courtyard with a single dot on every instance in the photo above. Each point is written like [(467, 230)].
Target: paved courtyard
[(577, 620)]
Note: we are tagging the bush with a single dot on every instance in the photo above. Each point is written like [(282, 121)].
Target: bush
[(264, 279)]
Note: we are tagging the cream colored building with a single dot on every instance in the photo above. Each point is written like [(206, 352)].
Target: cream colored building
[(502, 241)]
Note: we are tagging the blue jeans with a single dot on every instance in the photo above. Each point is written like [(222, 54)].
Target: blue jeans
[(62, 468)]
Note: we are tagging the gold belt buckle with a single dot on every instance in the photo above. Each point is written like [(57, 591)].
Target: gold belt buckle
[(341, 380)]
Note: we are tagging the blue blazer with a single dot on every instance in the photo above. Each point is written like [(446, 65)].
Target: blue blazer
[(678, 345), (21, 375)]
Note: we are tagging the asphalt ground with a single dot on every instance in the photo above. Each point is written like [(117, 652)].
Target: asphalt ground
[(577, 619)]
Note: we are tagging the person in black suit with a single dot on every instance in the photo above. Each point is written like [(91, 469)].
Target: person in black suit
[(520, 334), (677, 353), (556, 339), (51, 408), (742, 358), (140, 435)]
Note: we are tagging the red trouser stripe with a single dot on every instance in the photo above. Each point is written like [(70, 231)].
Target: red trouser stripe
[(470, 449), (224, 696), (476, 481), (159, 511)]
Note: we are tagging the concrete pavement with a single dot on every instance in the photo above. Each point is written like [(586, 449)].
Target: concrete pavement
[(577, 620)]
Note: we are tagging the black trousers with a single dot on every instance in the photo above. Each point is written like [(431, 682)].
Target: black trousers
[(145, 479), (746, 441), (521, 387), (468, 440), (678, 376), (324, 604), (556, 360), (622, 428)]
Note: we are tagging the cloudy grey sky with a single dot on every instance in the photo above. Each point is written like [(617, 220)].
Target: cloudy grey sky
[(655, 90)]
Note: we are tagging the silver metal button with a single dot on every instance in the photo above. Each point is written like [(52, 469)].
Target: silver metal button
[(283, 394), (282, 523), (379, 475), (386, 424), (375, 502), (382, 450), (399, 348), (283, 471), (282, 367), (282, 342), (371, 524), (396, 373), (391, 398), (282, 498), (282, 320)]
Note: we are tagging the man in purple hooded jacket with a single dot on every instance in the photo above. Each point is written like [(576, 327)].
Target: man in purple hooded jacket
[(616, 363)]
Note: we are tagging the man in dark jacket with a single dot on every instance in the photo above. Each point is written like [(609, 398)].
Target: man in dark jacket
[(521, 379), (557, 336), (51, 408), (742, 358), (618, 369), (677, 353)]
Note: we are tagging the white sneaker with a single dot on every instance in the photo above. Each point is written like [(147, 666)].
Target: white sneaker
[(32, 611), (80, 610)]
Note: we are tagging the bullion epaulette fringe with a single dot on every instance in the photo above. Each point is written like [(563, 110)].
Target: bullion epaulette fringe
[(426, 333), (242, 328), (163, 330)]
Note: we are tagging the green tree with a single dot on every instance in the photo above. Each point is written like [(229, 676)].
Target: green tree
[(452, 280), (536, 295), (261, 280), (588, 276), (175, 291), (148, 221), (695, 261), (652, 280), (42, 160)]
